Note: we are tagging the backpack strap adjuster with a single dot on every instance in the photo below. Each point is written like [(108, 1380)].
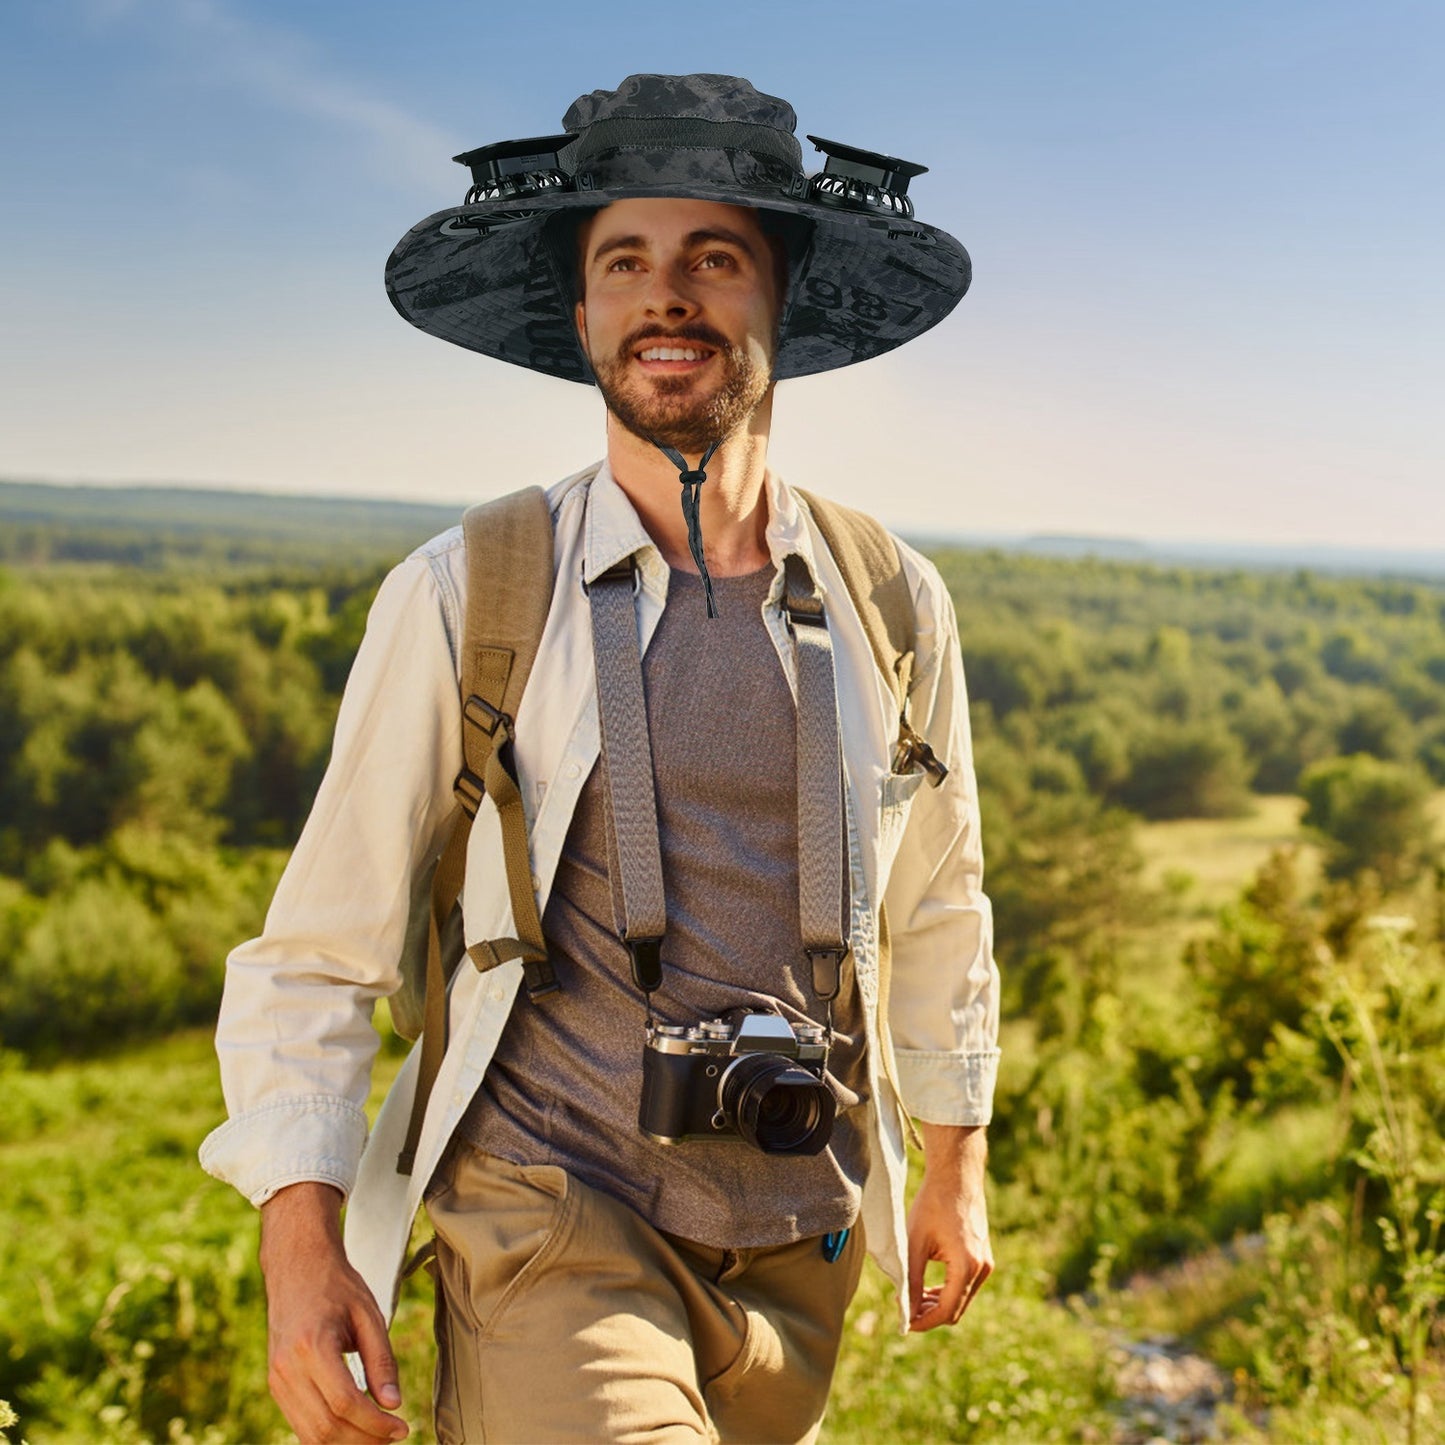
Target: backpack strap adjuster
[(491, 720), (469, 790), (497, 725)]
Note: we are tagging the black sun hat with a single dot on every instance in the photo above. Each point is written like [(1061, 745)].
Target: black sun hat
[(495, 274)]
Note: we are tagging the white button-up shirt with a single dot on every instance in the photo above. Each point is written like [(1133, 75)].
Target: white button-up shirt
[(295, 1038)]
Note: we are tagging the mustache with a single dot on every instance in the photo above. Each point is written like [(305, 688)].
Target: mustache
[(699, 332)]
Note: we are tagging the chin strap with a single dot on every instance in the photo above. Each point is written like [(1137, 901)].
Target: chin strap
[(691, 487)]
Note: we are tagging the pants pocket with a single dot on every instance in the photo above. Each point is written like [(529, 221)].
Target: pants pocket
[(496, 1228)]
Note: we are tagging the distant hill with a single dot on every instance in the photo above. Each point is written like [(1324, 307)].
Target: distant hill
[(169, 526), (1423, 565), (154, 527)]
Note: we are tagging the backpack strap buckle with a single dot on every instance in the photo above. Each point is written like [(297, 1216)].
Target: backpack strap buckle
[(491, 720), (497, 727), (469, 790)]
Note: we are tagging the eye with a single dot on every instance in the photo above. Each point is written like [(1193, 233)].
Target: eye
[(715, 259), (624, 263)]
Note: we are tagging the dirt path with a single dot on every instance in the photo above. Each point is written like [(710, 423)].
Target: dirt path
[(1167, 1393)]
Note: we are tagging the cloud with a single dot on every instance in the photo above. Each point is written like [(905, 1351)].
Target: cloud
[(283, 69)]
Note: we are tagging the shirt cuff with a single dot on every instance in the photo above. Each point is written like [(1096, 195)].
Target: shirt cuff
[(305, 1137), (947, 1088)]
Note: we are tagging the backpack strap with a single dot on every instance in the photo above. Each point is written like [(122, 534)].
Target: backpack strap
[(509, 592), (867, 556)]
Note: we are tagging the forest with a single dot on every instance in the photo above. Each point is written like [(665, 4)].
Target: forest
[(1212, 805)]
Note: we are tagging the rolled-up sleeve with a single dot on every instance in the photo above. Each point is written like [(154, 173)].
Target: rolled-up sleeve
[(294, 1038), (944, 999)]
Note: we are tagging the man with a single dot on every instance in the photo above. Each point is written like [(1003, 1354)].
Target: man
[(593, 1282)]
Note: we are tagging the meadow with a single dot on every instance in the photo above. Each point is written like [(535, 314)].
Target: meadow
[(1212, 808)]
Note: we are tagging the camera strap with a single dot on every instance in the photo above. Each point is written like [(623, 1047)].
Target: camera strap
[(639, 905), (634, 848)]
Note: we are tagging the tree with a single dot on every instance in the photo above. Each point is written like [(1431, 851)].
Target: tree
[(1370, 814), (1194, 770)]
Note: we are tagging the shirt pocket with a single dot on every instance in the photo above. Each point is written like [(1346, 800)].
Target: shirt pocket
[(897, 798)]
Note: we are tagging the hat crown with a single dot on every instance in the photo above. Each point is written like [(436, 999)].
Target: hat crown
[(690, 97)]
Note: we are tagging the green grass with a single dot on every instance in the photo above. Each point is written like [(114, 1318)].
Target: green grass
[(131, 1306), (1018, 1367), (130, 1296), (1205, 860), (1436, 809), (129, 1290)]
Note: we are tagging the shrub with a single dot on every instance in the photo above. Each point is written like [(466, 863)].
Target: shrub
[(1186, 771), (1371, 814)]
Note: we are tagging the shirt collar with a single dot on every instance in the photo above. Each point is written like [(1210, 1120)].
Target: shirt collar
[(615, 532), (788, 531)]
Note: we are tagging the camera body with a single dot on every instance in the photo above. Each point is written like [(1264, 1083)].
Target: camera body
[(758, 1078)]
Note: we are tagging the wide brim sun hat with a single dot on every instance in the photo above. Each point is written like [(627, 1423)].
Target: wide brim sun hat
[(496, 274)]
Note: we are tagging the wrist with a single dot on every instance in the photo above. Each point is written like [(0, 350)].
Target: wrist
[(954, 1153), (302, 1216)]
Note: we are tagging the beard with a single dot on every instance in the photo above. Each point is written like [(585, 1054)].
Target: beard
[(675, 410)]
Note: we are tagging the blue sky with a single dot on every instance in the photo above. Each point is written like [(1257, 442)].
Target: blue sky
[(1208, 299)]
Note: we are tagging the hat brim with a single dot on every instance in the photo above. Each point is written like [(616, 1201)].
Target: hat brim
[(485, 277)]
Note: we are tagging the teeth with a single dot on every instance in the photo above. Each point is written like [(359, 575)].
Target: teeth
[(671, 353)]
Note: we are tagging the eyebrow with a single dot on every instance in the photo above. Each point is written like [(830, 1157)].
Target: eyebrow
[(691, 240)]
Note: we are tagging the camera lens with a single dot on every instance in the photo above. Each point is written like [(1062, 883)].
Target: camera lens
[(777, 1106)]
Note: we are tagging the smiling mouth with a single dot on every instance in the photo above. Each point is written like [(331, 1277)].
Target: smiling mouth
[(673, 358)]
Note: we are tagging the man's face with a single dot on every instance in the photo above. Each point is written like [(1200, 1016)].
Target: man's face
[(679, 316)]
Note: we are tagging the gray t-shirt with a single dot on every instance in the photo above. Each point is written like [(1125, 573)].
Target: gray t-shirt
[(565, 1083)]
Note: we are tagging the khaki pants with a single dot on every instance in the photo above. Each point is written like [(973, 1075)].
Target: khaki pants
[(562, 1315)]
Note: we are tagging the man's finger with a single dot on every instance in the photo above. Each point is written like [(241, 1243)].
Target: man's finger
[(982, 1273), (345, 1402), (917, 1263), (926, 1316), (952, 1295), (979, 1271), (313, 1419), (373, 1344)]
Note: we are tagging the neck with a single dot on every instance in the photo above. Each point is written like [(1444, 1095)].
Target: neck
[(734, 507)]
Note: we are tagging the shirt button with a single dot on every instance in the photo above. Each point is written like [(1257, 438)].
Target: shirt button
[(574, 770), (536, 883)]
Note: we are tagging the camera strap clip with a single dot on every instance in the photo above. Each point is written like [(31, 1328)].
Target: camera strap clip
[(646, 962), (827, 972)]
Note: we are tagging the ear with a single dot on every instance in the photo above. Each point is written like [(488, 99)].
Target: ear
[(579, 317)]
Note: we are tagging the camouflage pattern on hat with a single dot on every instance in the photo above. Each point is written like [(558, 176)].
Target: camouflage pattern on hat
[(701, 97)]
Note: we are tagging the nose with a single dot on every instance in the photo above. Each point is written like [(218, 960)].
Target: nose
[(670, 296)]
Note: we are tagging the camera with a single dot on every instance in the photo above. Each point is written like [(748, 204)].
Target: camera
[(758, 1078)]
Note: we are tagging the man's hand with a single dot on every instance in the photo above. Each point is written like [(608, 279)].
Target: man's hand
[(948, 1222), (318, 1308)]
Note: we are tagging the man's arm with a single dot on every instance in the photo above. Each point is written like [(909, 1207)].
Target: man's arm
[(943, 1013), (295, 1039), (949, 1223), (318, 1309)]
